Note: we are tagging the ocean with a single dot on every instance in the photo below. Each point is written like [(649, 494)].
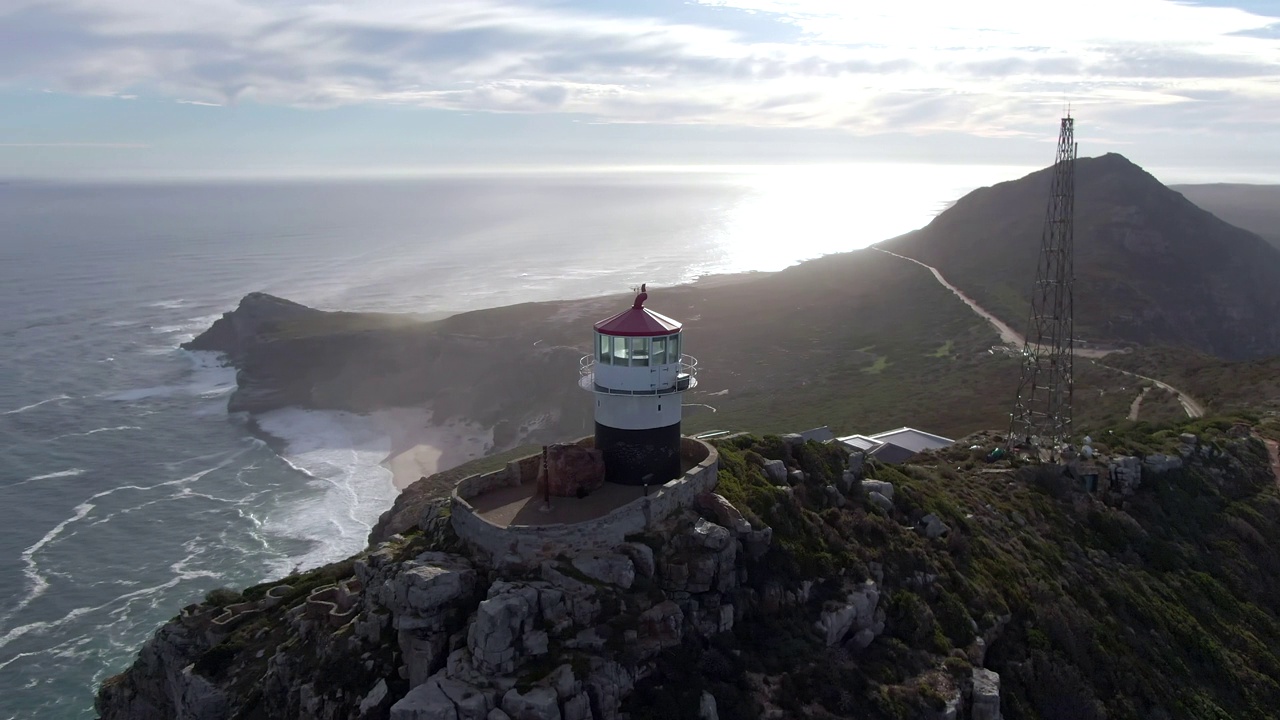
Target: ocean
[(128, 491)]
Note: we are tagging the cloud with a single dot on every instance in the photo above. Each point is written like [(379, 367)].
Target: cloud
[(992, 67)]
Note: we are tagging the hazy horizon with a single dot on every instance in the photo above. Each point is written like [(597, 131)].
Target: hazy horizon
[(1166, 175)]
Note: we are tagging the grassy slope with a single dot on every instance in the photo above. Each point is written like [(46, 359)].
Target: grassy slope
[(1225, 387), (862, 342)]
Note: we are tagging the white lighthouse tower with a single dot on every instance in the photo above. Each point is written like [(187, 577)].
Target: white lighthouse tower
[(638, 376)]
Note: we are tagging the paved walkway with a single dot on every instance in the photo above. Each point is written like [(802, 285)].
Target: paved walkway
[(520, 506)]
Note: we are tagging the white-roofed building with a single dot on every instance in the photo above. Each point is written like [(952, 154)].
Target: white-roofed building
[(894, 446)]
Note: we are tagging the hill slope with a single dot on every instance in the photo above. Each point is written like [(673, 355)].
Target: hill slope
[(1151, 267), (1255, 208), (862, 341)]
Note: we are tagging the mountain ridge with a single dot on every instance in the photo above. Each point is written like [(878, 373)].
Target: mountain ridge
[(1151, 266)]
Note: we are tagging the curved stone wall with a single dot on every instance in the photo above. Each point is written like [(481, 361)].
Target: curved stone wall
[(531, 544)]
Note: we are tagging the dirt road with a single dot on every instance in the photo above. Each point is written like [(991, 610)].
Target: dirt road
[(1014, 339)]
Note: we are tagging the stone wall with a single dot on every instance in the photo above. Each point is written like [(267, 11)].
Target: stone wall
[(531, 544)]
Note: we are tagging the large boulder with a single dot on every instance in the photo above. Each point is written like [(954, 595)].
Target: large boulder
[(880, 501), (775, 471), (540, 703), (857, 613), (611, 568), (1126, 474), (415, 591), (661, 626), (571, 471), (986, 695), (503, 631), (880, 486), (931, 526), (1158, 464), (722, 512), (441, 698)]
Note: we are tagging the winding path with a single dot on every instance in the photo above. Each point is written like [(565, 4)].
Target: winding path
[(1136, 406), (1014, 339), (1008, 335), (1194, 409)]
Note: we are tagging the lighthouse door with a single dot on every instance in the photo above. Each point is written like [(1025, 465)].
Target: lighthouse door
[(658, 364)]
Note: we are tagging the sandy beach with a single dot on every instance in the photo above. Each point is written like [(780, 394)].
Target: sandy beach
[(420, 448)]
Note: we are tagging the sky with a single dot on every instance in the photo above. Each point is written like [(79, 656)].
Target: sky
[(259, 88)]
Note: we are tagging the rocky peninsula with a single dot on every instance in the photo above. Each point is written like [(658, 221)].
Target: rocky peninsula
[(807, 582)]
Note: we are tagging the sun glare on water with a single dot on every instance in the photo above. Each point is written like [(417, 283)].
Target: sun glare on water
[(789, 214)]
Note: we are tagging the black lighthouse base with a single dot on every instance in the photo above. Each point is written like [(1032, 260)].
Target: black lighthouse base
[(631, 456)]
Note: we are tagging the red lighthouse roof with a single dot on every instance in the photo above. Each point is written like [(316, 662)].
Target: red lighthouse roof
[(638, 321)]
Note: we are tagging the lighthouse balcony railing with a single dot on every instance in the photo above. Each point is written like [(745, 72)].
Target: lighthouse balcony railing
[(686, 378)]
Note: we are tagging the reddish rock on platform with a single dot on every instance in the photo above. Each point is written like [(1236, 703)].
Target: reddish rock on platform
[(574, 471)]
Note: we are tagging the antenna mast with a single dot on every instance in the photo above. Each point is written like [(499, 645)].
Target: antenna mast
[(1042, 410)]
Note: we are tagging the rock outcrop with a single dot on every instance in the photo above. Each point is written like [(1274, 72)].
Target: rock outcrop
[(258, 315)]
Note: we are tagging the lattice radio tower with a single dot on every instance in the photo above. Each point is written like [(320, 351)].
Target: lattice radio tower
[(1042, 411)]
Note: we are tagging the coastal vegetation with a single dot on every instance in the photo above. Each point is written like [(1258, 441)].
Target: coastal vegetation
[(1152, 605)]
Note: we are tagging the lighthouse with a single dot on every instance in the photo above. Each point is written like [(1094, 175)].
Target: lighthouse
[(638, 375)]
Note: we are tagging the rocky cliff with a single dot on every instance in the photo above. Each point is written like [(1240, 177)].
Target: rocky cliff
[(830, 589), (288, 354)]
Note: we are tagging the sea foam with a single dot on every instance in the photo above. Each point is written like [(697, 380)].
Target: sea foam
[(35, 405), (340, 455)]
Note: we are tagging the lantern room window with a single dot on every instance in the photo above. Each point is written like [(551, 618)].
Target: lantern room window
[(638, 348), (604, 353)]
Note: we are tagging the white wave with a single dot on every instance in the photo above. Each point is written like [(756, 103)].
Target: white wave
[(49, 476), (37, 584), (95, 431), (119, 604), (171, 304), (187, 329), (73, 472), (340, 454), (210, 378), (211, 375), (32, 406), (143, 393)]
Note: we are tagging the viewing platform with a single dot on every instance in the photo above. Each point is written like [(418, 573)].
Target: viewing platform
[(502, 514)]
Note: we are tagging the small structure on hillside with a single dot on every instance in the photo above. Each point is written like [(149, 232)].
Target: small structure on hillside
[(819, 434), (894, 446), (638, 374)]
